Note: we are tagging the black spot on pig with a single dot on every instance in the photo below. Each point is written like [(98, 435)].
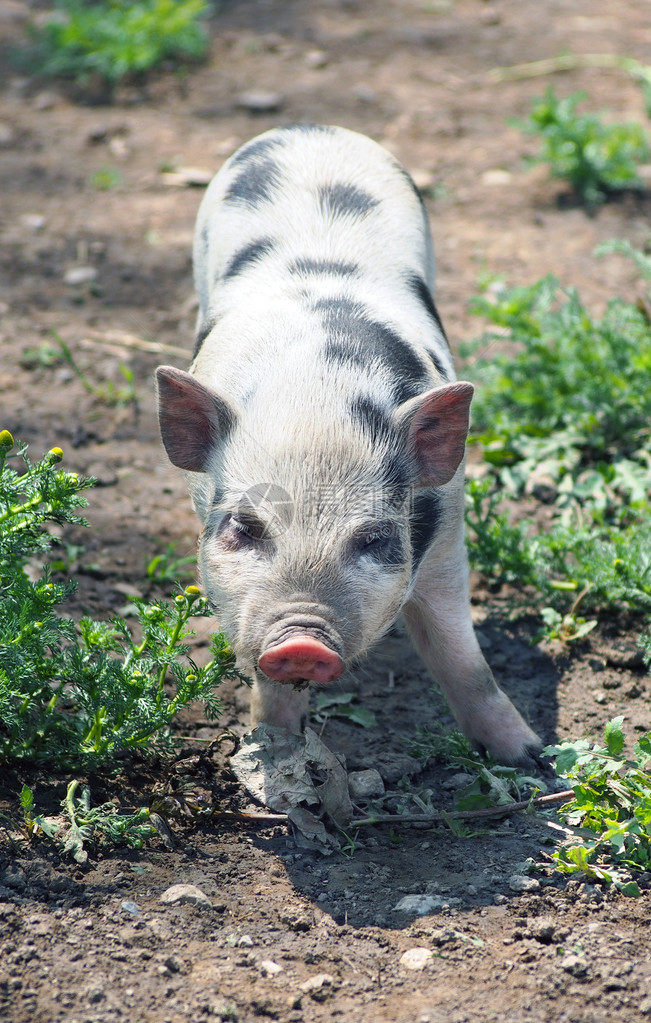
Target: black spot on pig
[(345, 200), (250, 253), (258, 147), (418, 286), (339, 267), (255, 184), (425, 517), (312, 129), (202, 333), (354, 337)]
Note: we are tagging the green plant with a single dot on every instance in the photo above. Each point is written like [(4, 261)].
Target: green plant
[(115, 39), (82, 825), (107, 392), (595, 158), (574, 397), (344, 706), (490, 784), (71, 691), (105, 180), (610, 815), (166, 567)]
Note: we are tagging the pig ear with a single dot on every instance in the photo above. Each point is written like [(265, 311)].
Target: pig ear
[(192, 418), (437, 426)]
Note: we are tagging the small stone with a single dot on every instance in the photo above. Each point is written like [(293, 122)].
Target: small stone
[(316, 59), (270, 969), (259, 101), (185, 894), (496, 177), (365, 784), (97, 995), (33, 221), (519, 883), (574, 964), (416, 958), (419, 905), (80, 275), (542, 929), (246, 941), (46, 100), (130, 907), (173, 964), (104, 474), (187, 177), (7, 134), (318, 987), (457, 781), (365, 93), (424, 180)]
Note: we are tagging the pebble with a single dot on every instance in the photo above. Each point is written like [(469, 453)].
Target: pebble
[(187, 177), (269, 968), (574, 964), (519, 883), (496, 177), (185, 894), (424, 180), (316, 59), (105, 476), (7, 134), (318, 987), (33, 221), (416, 958), (46, 100), (259, 101), (80, 275), (421, 905), (365, 784), (246, 941), (130, 907)]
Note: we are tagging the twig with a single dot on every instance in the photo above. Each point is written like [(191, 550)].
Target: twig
[(570, 62), (466, 815), (113, 338), (244, 817)]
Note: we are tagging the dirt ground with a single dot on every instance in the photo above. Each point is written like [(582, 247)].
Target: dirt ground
[(285, 934)]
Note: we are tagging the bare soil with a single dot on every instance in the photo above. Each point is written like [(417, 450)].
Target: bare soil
[(416, 77)]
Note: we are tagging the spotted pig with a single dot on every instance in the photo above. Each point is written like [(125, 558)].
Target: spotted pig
[(323, 431)]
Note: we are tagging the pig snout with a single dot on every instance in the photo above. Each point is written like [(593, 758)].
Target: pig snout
[(301, 658)]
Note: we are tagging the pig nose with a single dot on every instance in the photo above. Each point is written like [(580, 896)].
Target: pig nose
[(301, 658)]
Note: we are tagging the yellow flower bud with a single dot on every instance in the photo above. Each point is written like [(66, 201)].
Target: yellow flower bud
[(6, 440), (55, 454), (192, 591)]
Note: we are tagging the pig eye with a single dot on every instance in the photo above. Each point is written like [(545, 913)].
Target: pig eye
[(252, 529), (382, 543)]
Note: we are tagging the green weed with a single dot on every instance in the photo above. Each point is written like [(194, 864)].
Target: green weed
[(490, 784), (565, 414), (72, 691), (610, 814), (117, 39), (82, 826), (167, 567), (597, 159), (345, 707), (108, 392), (105, 180), (574, 396)]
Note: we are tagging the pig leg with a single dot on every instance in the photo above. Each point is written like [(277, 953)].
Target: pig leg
[(280, 704), (438, 617)]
